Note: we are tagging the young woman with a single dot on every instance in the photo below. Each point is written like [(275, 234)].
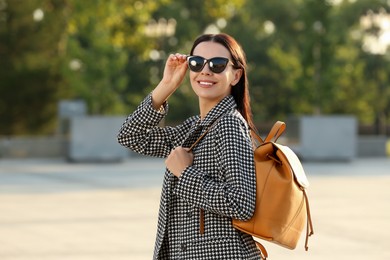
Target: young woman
[(206, 187)]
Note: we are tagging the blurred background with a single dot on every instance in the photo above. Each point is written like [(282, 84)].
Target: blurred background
[(66, 58), (71, 71)]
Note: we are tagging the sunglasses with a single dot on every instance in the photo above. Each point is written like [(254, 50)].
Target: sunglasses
[(216, 64)]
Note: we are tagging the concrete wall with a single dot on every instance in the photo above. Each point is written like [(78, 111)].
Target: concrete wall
[(31, 147), (93, 138), (372, 146), (323, 137)]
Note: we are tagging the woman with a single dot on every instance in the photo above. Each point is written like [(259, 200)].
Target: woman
[(206, 187)]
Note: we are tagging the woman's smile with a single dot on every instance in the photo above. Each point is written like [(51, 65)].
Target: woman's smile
[(206, 83)]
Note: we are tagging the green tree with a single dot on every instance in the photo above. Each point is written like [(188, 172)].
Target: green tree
[(361, 77), (270, 39), (29, 76), (104, 39), (304, 56)]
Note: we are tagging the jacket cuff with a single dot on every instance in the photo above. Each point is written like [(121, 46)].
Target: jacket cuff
[(146, 110)]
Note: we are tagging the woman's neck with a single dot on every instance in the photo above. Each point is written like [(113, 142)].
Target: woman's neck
[(205, 105)]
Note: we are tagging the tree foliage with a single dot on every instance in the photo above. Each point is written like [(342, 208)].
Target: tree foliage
[(29, 74), (304, 56)]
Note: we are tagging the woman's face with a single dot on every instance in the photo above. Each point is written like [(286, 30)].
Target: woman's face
[(210, 86)]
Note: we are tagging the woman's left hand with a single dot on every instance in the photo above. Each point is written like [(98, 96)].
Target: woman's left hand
[(179, 159)]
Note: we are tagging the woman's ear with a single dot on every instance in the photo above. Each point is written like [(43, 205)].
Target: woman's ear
[(237, 76)]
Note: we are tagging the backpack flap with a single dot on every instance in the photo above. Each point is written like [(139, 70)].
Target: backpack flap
[(295, 165)]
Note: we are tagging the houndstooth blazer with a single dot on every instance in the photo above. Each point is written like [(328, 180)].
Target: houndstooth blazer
[(221, 181)]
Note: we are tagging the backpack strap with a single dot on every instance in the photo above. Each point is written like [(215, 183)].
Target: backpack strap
[(276, 131), (203, 135), (201, 218), (255, 135), (263, 251), (201, 228), (309, 224)]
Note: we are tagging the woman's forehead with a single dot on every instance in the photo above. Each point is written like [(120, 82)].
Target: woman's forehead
[(210, 50)]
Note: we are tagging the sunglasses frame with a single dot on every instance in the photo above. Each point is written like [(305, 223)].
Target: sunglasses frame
[(213, 69)]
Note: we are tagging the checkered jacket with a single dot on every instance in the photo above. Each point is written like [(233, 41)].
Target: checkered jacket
[(221, 181)]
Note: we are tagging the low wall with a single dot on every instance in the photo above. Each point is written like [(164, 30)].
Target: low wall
[(33, 147), (328, 138), (372, 146), (94, 138)]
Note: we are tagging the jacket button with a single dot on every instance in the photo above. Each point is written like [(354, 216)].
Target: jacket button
[(183, 247)]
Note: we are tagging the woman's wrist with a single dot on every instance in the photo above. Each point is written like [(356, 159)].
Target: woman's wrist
[(161, 94)]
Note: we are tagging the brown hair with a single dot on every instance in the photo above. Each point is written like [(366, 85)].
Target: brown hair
[(240, 91)]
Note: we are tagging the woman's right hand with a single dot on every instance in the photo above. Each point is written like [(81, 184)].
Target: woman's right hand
[(175, 69), (174, 73)]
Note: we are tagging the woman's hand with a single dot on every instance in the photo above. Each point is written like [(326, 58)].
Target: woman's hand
[(174, 73), (175, 70), (179, 159)]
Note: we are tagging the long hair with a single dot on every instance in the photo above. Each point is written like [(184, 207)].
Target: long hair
[(239, 91)]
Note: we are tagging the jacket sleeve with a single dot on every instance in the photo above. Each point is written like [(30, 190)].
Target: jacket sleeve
[(141, 131), (234, 194)]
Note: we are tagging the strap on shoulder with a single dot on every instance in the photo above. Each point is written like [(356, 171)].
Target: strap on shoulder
[(276, 131), (203, 135)]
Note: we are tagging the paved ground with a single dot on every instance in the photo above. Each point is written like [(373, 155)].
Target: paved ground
[(50, 209)]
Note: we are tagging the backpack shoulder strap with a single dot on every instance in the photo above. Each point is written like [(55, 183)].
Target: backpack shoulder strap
[(276, 131), (203, 135)]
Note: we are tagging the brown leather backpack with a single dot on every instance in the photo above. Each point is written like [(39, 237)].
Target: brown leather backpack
[(282, 207)]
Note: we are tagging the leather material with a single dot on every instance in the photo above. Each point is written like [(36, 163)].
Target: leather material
[(282, 207)]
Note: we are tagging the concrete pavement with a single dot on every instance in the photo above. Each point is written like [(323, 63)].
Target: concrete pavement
[(50, 209)]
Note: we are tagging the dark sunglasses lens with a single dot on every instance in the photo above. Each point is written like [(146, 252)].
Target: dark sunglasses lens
[(196, 63), (217, 65)]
